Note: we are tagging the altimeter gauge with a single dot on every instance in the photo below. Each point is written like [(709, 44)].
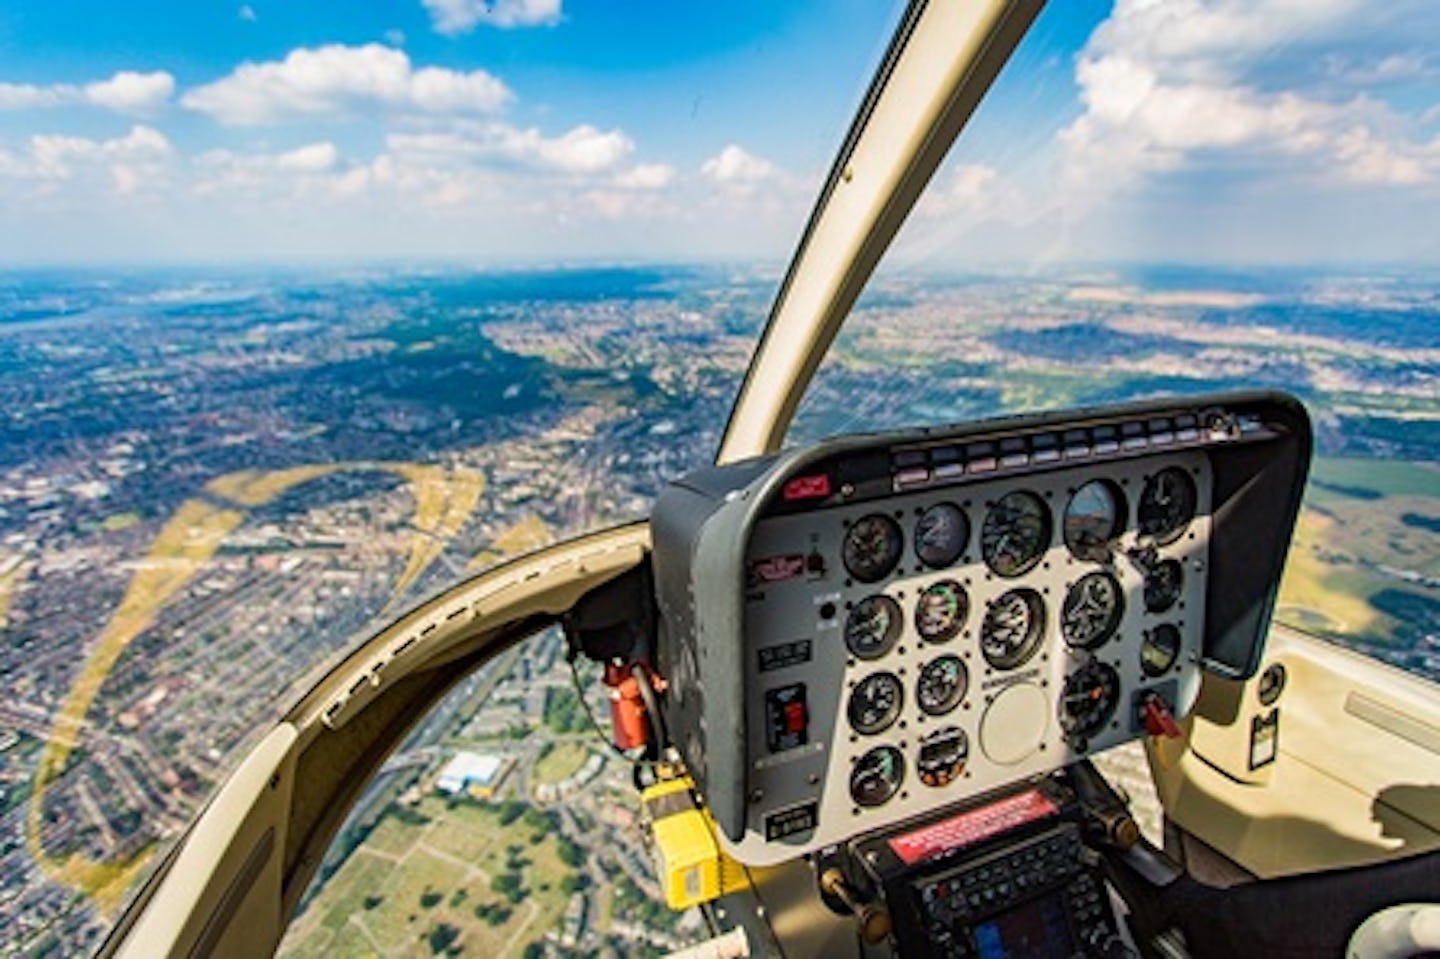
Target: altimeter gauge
[(1015, 534)]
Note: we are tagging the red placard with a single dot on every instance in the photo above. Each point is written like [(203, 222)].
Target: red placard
[(971, 827), (807, 487)]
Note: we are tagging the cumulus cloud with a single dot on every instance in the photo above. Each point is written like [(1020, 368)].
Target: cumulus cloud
[(337, 80), (127, 91), (461, 16), (735, 165), (581, 150), (1164, 85), (228, 172), (127, 164), (646, 176)]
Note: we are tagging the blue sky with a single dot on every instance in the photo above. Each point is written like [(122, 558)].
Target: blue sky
[(499, 130)]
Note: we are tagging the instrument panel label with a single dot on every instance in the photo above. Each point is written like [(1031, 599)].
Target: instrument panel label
[(788, 822), (776, 569), (784, 655), (971, 827)]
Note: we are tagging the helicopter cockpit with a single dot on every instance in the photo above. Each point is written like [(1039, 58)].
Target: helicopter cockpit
[(860, 681)]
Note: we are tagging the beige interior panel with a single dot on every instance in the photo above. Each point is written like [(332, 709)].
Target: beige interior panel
[(1357, 775)]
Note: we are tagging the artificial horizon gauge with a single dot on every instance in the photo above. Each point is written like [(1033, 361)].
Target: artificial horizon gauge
[(941, 534), (1163, 583), (1094, 518), (872, 547), (1013, 627), (942, 756), (876, 776), (1089, 699), (941, 611), (875, 703), (941, 685), (1015, 534), (1160, 649), (1167, 505), (1092, 610), (873, 626)]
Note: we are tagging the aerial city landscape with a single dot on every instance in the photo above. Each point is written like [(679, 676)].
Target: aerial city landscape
[(212, 484)]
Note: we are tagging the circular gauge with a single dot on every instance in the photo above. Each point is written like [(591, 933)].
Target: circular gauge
[(875, 703), (941, 535), (872, 547), (1271, 684), (873, 626), (941, 611), (876, 776), (942, 756), (1092, 610), (1012, 629), (1160, 649), (1167, 505), (1091, 694), (941, 685), (1094, 518), (1016, 533), (1163, 583)]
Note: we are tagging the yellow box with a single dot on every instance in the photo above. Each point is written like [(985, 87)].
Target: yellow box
[(689, 864)]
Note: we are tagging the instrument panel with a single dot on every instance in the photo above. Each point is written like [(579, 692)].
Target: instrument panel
[(904, 651)]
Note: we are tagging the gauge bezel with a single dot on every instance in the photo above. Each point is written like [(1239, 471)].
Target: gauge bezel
[(957, 696), (1115, 612), (1150, 589), (861, 764), (894, 548), (891, 716), (1147, 642), (1035, 628), (950, 557), (1102, 552), (955, 769), (1041, 543), (893, 629), (1094, 722), (952, 628), (1167, 534)]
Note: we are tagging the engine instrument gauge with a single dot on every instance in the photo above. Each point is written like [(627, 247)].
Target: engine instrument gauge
[(1163, 583), (1012, 629), (877, 776), (1094, 518), (942, 756), (1167, 505), (941, 534), (941, 685), (1092, 610), (873, 626), (941, 611), (1091, 694), (872, 547), (1015, 534), (875, 703), (1160, 649)]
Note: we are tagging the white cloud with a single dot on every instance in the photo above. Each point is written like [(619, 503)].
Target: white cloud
[(646, 176), (735, 165), (335, 80), (228, 173), (460, 16), (125, 165), (581, 150), (131, 92), (247, 13), (1166, 85), (127, 91)]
